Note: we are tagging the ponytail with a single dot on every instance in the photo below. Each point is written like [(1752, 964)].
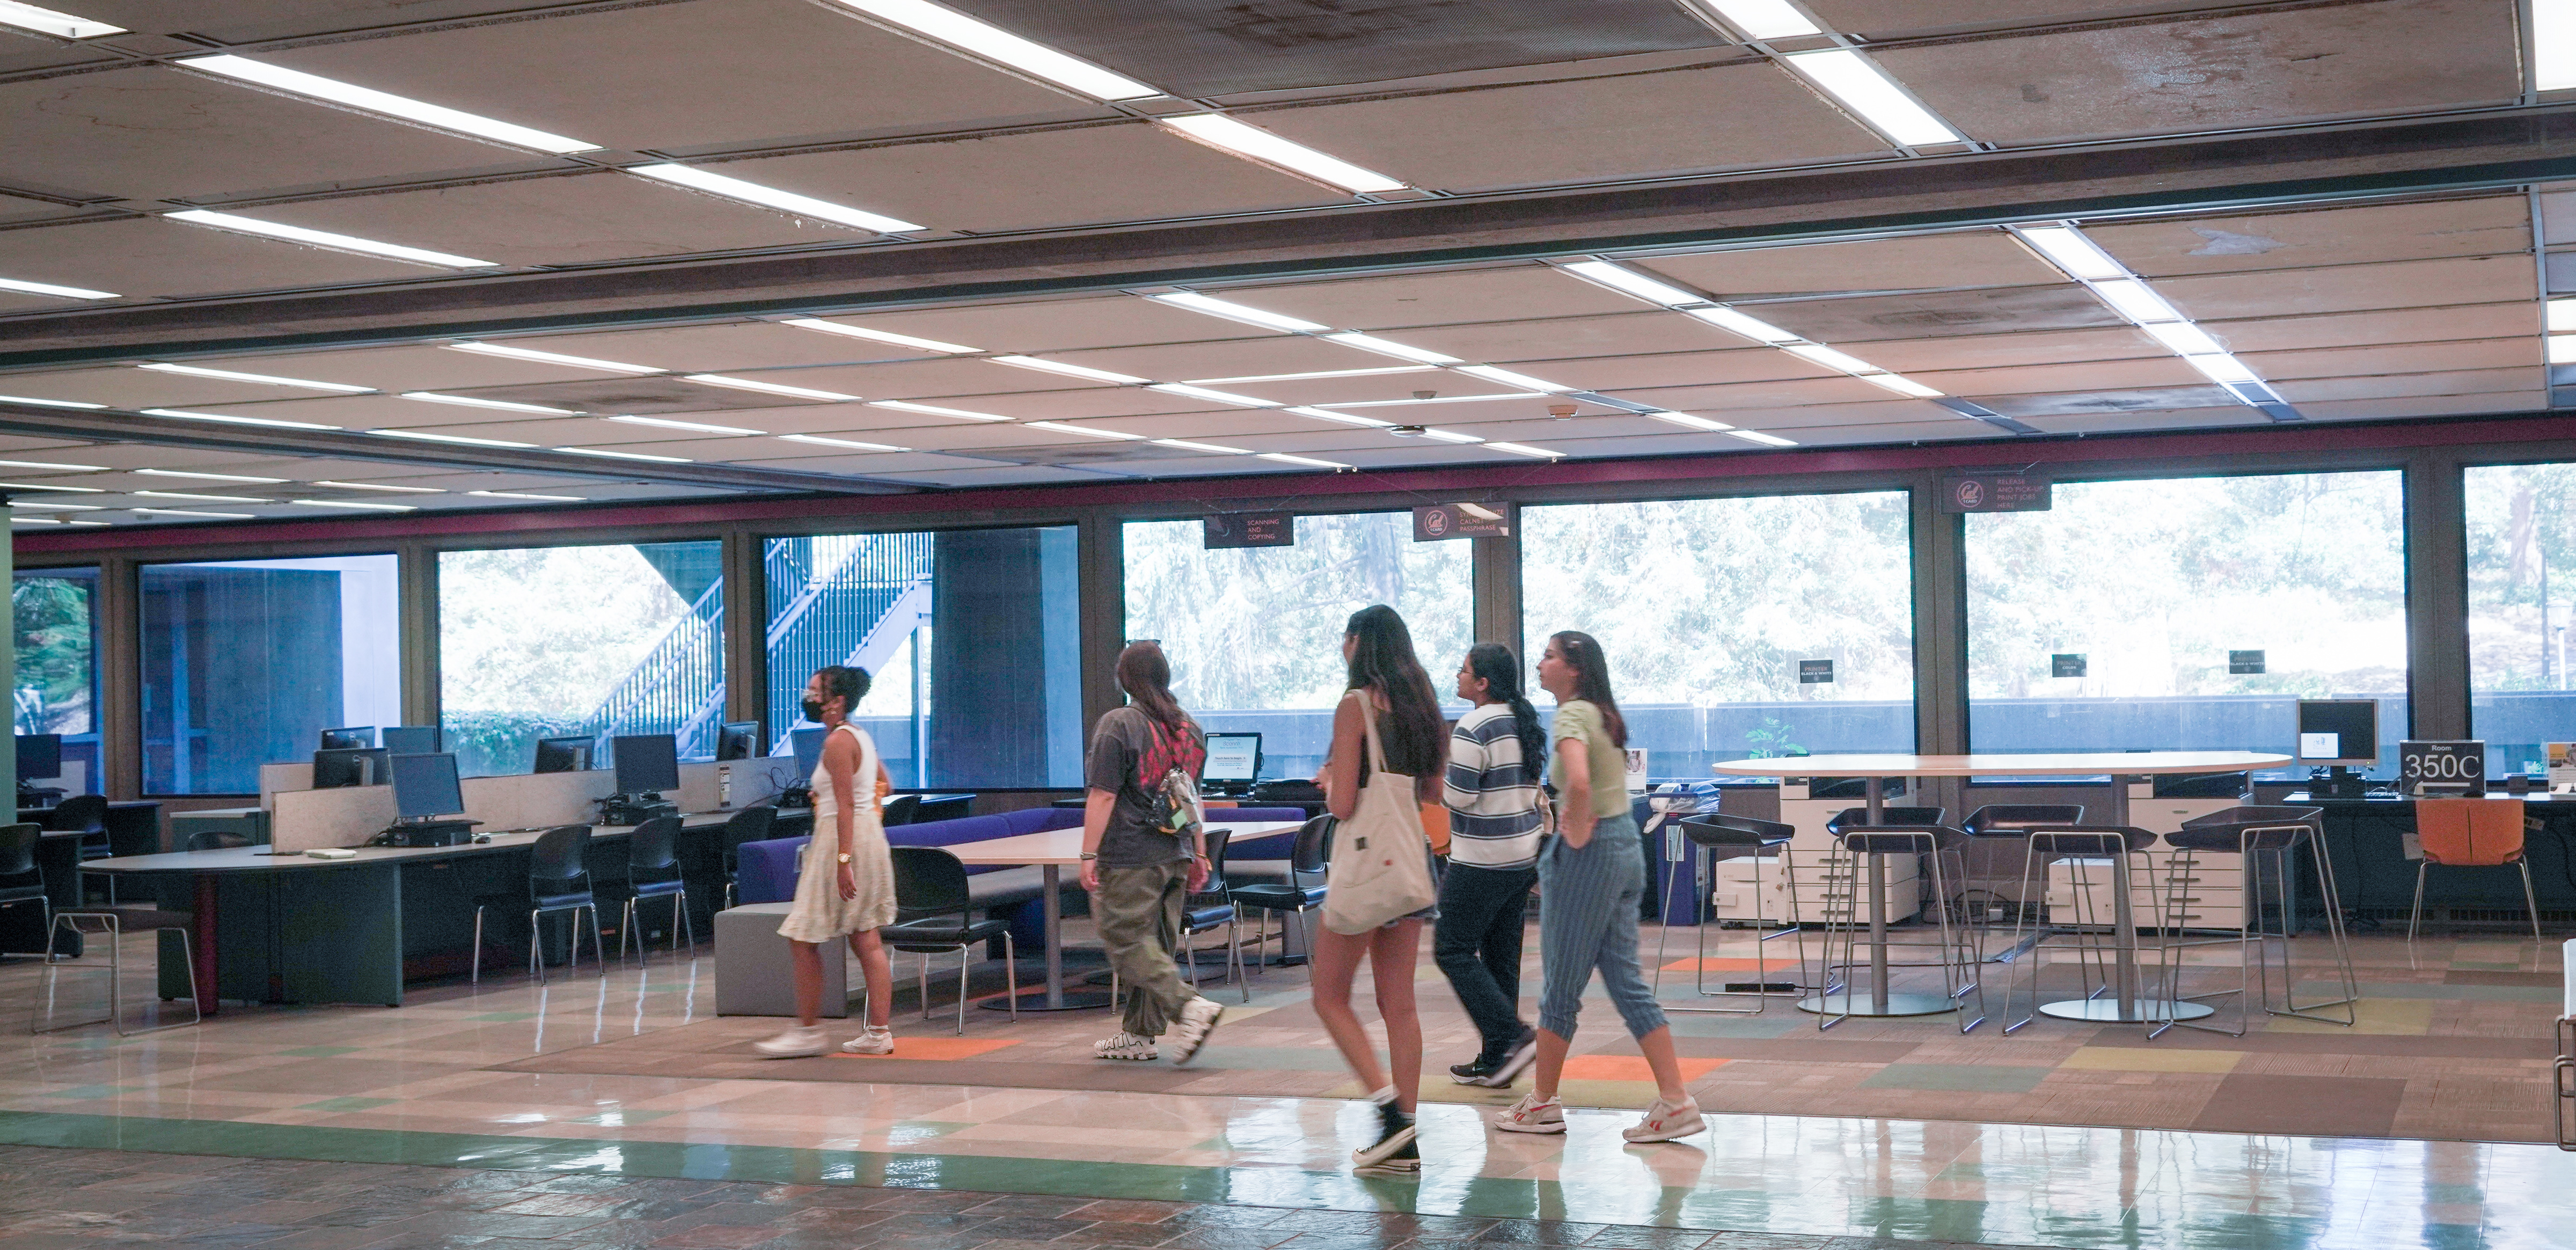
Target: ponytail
[(1500, 670)]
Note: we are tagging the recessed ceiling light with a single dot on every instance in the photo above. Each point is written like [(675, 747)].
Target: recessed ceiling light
[(2135, 300), (44, 506), (1389, 347), (47, 464), (513, 494), (1346, 418), (1219, 130), (624, 455), (413, 490), (1186, 445), (1763, 19), (1070, 371), (47, 403), (1521, 449), (42, 486), (324, 238), (1687, 421), (1219, 397), (1900, 384), (2562, 349), (2553, 45), (2222, 367), (1734, 322), (1757, 436), (1436, 399), (547, 358), (771, 197), (228, 516), (934, 410), (1509, 378), (1627, 281), (47, 288), (173, 494), (1232, 311), (261, 378), (1450, 436), (1305, 377), (375, 101), (468, 401), (48, 22), (1058, 427), (996, 44), (1829, 358), (2561, 314), (1866, 90), (211, 477), (352, 503), (820, 441), (691, 426), (881, 336), (2068, 249), (32, 520), (2183, 337), (432, 436), (232, 420), (768, 388), (1309, 461)]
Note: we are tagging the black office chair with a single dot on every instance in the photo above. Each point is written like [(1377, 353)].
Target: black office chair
[(1293, 897), (558, 881), (943, 807), (217, 840), (22, 881), (751, 824), (652, 871), (86, 814), (902, 809), (933, 909)]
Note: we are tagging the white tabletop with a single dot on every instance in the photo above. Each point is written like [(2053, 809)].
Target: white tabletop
[(2075, 764), (1064, 846)]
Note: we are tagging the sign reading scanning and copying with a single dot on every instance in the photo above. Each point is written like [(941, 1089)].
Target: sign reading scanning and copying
[(1462, 520), (1249, 529)]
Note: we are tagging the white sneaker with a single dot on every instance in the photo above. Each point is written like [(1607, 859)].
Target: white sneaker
[(795, 1043), (871, 1041), (1198, 1019), (1534, 1113), (1666, 1121), (1124, 1046)]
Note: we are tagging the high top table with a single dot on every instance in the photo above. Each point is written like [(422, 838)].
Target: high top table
[(2126, 1006)]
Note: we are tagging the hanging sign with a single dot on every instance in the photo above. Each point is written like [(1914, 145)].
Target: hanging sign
[(1462, 520), (1815, 672), (2458, 767), (1994, 492), (2244, 663), (1250, 529), (2066, 665)]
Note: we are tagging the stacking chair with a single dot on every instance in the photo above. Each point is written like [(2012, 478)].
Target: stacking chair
[(86, 814), (2265, 840), (652, 871), (933, 912), (1715, 838), (1958, 949), (2470, 833), (21, 880), (1302, 892), (558, 881), (2097, 857), (899, 810), (108, 926), (751, 824)]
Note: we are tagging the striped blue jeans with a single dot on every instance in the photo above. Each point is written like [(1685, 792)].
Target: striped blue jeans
[(1587, 919)]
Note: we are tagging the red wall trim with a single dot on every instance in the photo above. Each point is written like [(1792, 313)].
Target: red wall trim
[(2341, 437)]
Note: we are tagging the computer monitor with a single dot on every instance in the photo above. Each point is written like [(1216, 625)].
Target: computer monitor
[(738, 740), (351, 738), (808, 744), (365, 766), (563, 755), (425, 786), (2342, 733), (39, 755), (1233, 757), (646, 763), (412, 739)]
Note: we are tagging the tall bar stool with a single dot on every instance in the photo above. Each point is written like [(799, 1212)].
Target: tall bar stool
[(2470, 833), (2010, 822), (1715, 838), (2098, 860), (2264, 839), (1956, 945)]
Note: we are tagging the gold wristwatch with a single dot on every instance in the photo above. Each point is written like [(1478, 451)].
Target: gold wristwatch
[(845, 857)]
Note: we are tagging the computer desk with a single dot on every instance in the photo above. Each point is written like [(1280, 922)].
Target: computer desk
[(2365, 841)]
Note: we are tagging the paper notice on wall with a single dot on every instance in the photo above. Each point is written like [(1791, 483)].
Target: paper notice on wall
[(1636, 770)]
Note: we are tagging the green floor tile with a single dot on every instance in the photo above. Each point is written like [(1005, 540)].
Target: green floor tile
[(347, 1104)]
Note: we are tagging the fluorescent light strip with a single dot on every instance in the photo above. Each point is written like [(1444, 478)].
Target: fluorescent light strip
[(15, 519), (1509, 378), (1687, 421), (820, 441), (770, 197), (881, 336), (1867, 91), (2135, 300), (1753, 328), (1757, 436), (2562, 349), (1389, 347), (230, 420), (2553, 45), (263, 379), (227, 516), (1436, 399), (43, 506), (48, 22), (2184, 338), (211, 477), (1221, 131), (1899, 383), (1450, 436), (691, 426), (352, 503), (1070, 371), (512, 494), (2221, 367), (1629, 282), (1219, 397), (1058, 427), (47, 288), (2560, 312), (374, 101), (428, 436), (467, 401), (1186, 445), (508, 352), (2068, 249), (44, 464), (37, 486), (934, 410), (174, 494), (768, 388), (1308, 377), (324, 238), (1617, 278), (1520, 449), (624, 455), (1817, 353), (1231, 311), (47, 403), (996, 44), (1346, 418), (1309, 461), (409, 490), (1762, 19)]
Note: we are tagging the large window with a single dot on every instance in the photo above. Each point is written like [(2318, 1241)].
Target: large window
[(57, 688), (538, 642), (1735, 628), (1255, 634), (2187, 613), (245, 662), (2522, 598), (972, 639)]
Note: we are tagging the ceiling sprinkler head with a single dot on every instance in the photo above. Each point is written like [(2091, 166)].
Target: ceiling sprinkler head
[(1426, 394), (1562, 412)]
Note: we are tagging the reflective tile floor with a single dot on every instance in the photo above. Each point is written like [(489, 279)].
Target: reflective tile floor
[(234, 1133)]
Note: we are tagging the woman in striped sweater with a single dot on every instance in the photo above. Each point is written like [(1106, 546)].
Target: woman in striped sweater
[(1494, 827)]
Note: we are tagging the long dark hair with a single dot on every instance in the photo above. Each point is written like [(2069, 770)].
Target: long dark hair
[(1582, 653), (1500, 670), (1413, 732), (1147, 678)]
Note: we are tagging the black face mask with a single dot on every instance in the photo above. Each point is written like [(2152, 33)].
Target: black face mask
[(813, 709)]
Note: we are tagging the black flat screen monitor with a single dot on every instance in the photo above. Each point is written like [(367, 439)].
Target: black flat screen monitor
[(351, 738), (563, 755), (412, 739), (808, 745), (1233, 757), (39, 755), (2341, 732), (425, 786), (646, 763), (740, 740), (359, 767)]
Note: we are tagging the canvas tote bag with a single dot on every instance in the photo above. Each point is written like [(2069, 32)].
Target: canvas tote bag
[(1380, 868)]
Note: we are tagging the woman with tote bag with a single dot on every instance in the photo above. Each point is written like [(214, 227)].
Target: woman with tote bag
[(1388, 753)]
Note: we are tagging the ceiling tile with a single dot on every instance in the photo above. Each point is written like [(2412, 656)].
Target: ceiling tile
[(1557, 338), (1054, 325), (934, 381), (565, 220), (2143, 399), (1445, 297), (1881, 19), (716, 347), (2464, 382), (2149, 371), (2232, 414), (1074, 405), (1925, 262), (1885, 435), (1626, 373), (129, 387), (149, 256), (421, 368), (1375, 388), (873, 465), (1936, 314), (655, 393), (1278, 353), (2426, 406), (1753, 396), (1994, 351), (2413, 325), (278, 19), (2483, 226), (2360, 362), (2346, 288), (1014, 475)]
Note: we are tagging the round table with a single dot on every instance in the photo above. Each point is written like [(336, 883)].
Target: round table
[(2127, 1005)]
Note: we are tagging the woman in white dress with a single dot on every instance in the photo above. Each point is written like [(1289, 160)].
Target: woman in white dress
[(846, 886)]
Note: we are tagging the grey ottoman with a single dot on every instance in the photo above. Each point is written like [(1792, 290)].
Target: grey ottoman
[(755, 974)]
